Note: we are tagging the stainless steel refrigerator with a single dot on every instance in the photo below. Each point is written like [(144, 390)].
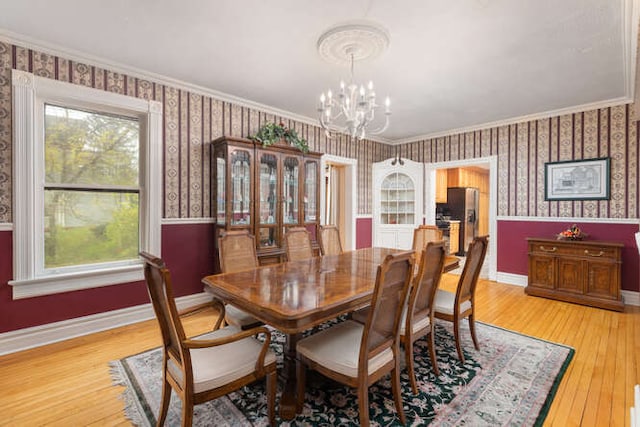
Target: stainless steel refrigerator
[(462, 203)]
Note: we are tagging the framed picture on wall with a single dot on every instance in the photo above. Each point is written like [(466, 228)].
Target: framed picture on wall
[(577, 179)]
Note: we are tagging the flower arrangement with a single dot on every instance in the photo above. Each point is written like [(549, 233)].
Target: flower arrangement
[(271, 133), (572, 233)]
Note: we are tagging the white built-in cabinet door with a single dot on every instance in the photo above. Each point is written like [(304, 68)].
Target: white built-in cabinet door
[(398, 191)]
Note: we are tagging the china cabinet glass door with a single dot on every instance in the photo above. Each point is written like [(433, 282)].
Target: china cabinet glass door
[(290, 194), (397, 197), (310, 191), (220, 188), (240, 165), (267, 200)]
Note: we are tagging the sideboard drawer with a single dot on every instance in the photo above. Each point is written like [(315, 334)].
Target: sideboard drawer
[(569, 248)]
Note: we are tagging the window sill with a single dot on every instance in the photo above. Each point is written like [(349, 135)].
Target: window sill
[(55, 284)]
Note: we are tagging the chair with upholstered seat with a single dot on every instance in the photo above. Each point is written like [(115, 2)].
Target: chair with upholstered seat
[(357, 354), (422, 235), (211, 365), (456, 306), (418, 318), (420, 305), (298, 243), (237, 252), (330, 243)]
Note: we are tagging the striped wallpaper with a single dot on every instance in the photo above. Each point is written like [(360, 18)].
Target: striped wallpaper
[(523, 149), (191, 121)]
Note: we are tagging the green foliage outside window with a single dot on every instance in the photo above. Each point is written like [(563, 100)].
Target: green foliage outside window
[(91, 188)]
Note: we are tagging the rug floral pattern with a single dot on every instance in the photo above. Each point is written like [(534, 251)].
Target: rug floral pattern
[(510, 381)]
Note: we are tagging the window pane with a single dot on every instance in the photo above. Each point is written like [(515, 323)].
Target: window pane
[(83, 227), (89, 148)]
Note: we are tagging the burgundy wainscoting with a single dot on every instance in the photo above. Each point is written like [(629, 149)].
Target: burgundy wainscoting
[(363, 232), (512, 244), (186, 248)]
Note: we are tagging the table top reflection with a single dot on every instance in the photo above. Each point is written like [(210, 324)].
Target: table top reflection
[(294, 296)]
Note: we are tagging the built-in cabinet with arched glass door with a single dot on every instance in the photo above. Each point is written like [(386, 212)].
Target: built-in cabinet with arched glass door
[(397, 202), (265, 190)]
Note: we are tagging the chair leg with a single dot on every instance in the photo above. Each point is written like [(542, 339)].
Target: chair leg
[(272, 378), (187, 411), (164, 402), (301, 379), (408, 354), (472, 328), (456, 333), (397, 395), (363, 403), (432, 352)]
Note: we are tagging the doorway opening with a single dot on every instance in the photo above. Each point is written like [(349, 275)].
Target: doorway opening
[(489, 224), (337, 196)]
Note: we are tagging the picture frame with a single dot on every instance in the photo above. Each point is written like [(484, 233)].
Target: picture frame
[(587, 179)]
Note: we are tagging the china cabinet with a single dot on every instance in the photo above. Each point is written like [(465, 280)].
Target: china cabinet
[(582, 272), (397, 202), (265, 190)]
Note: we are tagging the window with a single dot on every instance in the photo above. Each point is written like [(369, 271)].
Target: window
[(87, 167)]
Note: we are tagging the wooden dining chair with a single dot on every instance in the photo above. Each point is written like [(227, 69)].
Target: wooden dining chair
[(330, 243), (418, 318), (456, 306), (237, 252), (422, 235), (298, 243), (208, 366), (359, 354), (420, 306)]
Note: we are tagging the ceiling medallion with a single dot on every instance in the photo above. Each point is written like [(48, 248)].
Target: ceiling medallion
[(352, 109)]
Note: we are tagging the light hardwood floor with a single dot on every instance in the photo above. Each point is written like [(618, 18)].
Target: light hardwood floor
[(68, 383)]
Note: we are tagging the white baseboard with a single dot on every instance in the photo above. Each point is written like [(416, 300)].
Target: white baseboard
[(511, 279), (630, 297), (23, 339)]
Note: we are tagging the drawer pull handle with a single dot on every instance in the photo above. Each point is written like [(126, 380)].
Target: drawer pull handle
[(586, 252), (553, 249)]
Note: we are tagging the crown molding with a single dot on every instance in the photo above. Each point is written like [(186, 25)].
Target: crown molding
[(520, 119), (85, 58), (630, 18)]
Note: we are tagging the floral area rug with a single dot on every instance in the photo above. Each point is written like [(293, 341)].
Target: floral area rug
[(511, 381)]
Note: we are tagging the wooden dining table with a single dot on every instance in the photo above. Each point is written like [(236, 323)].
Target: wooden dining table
[(296, 296)]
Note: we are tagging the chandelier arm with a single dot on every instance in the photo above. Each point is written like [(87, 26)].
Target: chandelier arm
[(381, 128)]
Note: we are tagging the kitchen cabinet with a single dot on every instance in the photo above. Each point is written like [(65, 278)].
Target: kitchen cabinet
[(473, 177), (265, 190), (454, 236), (582, 272), (398, 195)]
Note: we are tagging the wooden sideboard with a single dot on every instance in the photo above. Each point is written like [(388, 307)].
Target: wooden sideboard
[(582, 272)]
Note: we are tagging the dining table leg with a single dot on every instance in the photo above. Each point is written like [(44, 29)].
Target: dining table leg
[(288, 401)]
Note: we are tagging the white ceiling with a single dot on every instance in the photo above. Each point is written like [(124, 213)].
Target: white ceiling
[(450, 64)]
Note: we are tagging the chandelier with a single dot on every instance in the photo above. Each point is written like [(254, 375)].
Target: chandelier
[(352, 109)]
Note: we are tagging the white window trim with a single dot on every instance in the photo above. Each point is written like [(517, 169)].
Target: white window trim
[(29, 94)]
